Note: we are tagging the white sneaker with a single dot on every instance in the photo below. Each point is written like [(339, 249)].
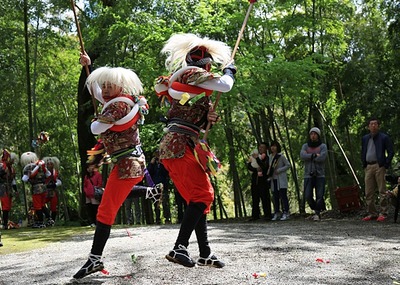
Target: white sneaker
[(276, 216), (316, 217), (285, 217)]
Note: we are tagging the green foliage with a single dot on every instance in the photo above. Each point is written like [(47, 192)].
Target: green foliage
[(293, 56)]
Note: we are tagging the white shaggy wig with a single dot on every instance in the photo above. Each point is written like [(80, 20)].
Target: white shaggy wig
[(121, 77), (28, 157), (179, 45), (53, 160)]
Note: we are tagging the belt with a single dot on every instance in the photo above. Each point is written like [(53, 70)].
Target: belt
[(372, 162)]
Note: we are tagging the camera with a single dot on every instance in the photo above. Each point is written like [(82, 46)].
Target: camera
[(392, 179), (313, 173)]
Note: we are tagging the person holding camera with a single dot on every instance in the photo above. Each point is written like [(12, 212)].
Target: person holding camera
[(314, 153), (376, 156)]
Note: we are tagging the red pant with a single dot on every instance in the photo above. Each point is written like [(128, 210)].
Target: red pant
[(38, 201), (6, 202), (53, 202), (190, 179), (114, 195)]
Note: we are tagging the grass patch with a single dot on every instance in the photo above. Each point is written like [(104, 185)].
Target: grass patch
[(26, 239)]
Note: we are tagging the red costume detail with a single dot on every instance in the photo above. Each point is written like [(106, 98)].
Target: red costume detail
[(123, 127), (192, 181), (114, 195), (190, 88)]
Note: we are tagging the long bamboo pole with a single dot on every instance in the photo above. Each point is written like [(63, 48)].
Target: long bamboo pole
[(240, 35), (78, 28)]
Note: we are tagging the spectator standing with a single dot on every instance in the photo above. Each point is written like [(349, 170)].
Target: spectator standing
[(376, 156), (314, 153), (92, 179), (277, 173), (159, 174), (133, 216), (258, 164)]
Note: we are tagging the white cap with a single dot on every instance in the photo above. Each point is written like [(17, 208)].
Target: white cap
[(315, 130)]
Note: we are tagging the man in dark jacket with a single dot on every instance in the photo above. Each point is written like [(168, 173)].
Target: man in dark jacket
[(258, 164), (376, 156)]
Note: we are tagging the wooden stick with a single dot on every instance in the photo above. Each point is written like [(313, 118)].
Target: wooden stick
[(232, 57), (83, 51)]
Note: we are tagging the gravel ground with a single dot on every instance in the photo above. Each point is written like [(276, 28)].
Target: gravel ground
[(298, 251)]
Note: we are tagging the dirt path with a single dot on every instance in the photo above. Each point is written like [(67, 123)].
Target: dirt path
[(297, 251)]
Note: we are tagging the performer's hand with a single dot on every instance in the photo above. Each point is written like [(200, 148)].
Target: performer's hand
[(230, 68), (213, 117), (85, 59)]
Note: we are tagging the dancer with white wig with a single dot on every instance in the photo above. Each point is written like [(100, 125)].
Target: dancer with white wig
[(52, 183), (35, 173), (118, 90), (188, 90)]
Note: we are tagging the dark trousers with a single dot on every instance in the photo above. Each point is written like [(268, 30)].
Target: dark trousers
[(92, 212), (260, 192)]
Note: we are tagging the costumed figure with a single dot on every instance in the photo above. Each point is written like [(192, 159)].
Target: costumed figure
[(123, 110), (7, 184), (35, 173), (92, 179), (188, 90), (52, 182)]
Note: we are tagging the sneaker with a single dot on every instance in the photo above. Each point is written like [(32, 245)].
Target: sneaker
[(180, 256), (275, 217), (285, 217), (316, 217), (92, 265), (211, 260), (369, 218), (381, 218)]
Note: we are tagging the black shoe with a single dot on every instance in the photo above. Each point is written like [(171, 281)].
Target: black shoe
[(253, 219), (180, 256), (38, 225), (211, 260), (50, 223), (92, 265)]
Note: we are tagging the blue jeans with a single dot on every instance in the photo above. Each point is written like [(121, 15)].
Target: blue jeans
[(317, 183)]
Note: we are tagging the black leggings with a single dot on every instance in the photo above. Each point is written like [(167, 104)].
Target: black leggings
[(194, 219)]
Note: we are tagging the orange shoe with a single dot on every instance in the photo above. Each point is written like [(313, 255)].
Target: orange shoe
[(381, 218), (369, 218)]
